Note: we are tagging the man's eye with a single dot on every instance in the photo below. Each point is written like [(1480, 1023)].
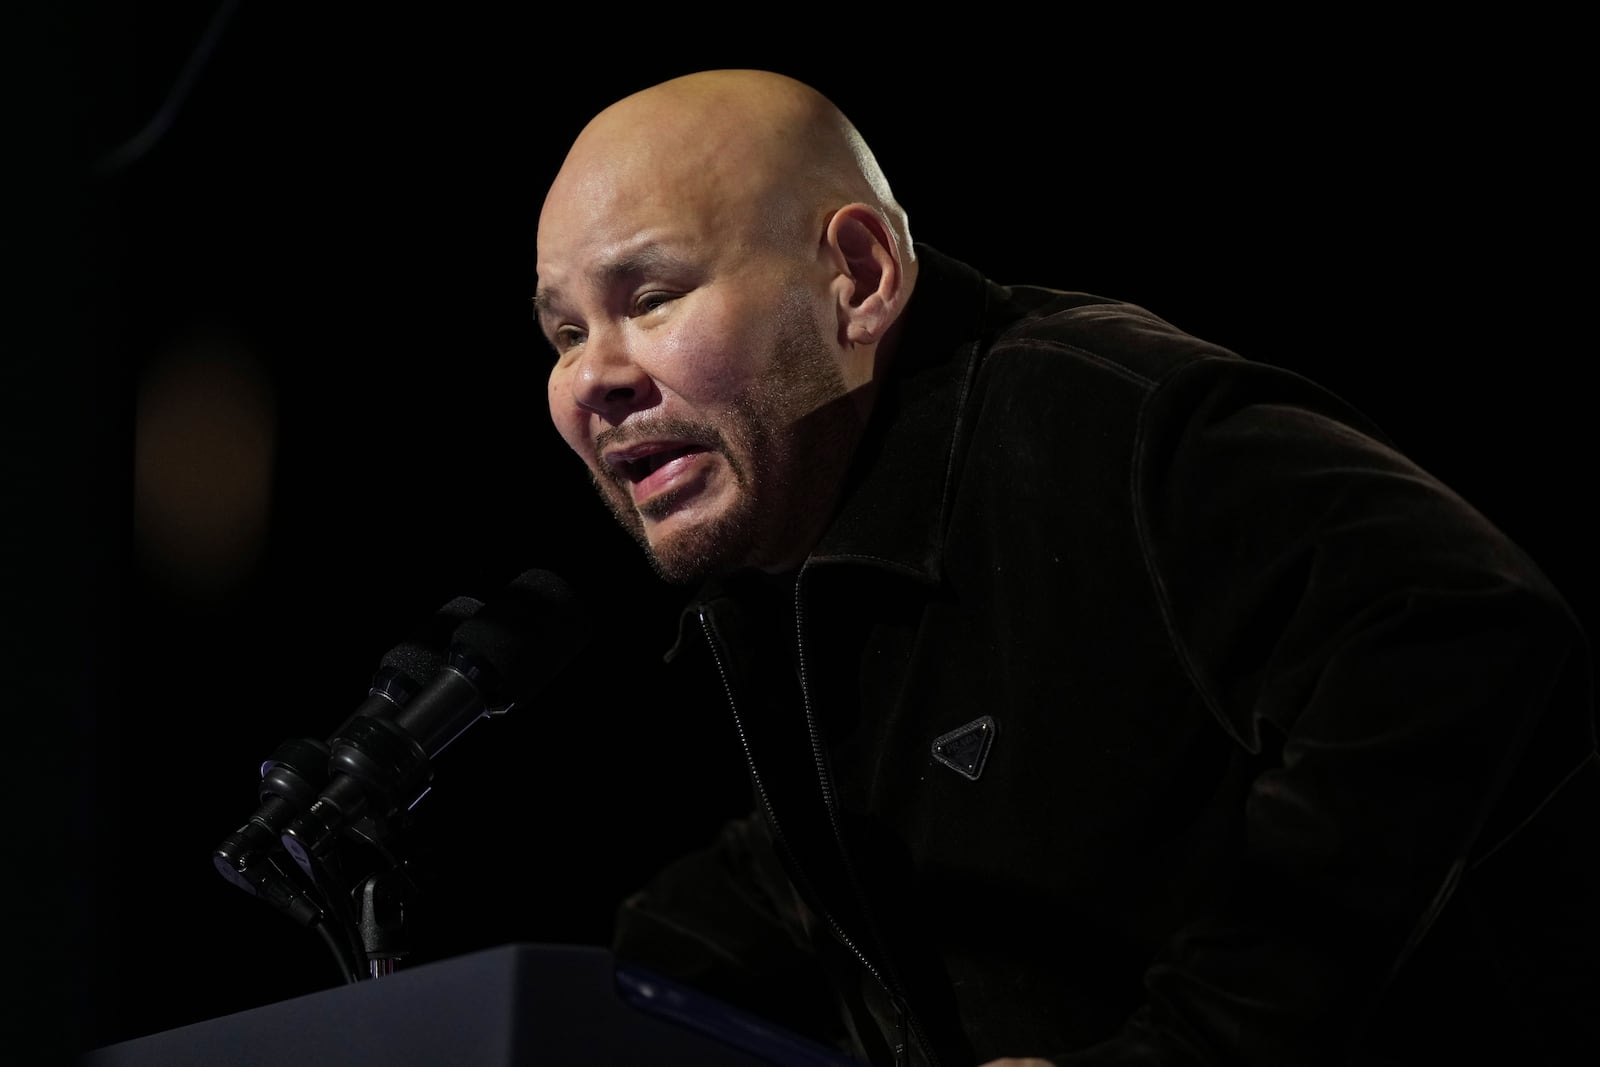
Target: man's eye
[(565, 339), (650, 301)]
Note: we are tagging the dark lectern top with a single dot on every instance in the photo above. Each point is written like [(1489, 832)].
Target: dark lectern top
[(514, 1006)]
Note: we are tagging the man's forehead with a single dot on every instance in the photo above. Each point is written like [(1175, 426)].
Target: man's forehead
[(615, 213), (600, 214)]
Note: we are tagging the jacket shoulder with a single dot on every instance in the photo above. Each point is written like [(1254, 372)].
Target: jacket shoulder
[(1113, 336)]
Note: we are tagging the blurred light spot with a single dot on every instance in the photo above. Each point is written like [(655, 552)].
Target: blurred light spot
[(205, 427)]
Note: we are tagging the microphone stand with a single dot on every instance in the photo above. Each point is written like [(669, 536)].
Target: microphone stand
[(250, 857), (385, 897), (378, 774), (377, 905), (362, 920), (358, 788), (314, 895)]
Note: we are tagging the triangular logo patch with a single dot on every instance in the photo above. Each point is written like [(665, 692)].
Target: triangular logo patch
[(965, 748)]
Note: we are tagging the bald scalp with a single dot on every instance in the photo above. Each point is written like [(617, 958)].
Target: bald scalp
[(752, 141)]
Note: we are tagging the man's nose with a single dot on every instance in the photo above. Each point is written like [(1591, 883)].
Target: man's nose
[(608, 380)]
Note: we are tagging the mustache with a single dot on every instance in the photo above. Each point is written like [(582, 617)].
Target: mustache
[(681, 431)]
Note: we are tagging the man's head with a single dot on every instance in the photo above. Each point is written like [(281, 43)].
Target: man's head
[(721, 264)]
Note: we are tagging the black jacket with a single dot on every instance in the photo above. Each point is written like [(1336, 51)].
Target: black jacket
[(1143, 704)]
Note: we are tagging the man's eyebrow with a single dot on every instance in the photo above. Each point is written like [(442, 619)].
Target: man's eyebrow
[(543, 299), (650, 259)]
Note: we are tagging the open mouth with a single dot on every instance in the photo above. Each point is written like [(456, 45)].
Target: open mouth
[(637, 468)]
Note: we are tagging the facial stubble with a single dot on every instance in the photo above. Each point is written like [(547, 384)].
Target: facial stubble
[(786, 442)]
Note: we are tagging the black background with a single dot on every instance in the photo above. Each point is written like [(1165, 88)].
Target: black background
[(349, 192)]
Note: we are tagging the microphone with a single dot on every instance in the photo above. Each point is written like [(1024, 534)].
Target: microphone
[(499, 657), (297, 770)]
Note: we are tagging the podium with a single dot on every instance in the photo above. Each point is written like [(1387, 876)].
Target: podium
[(521, 1005)]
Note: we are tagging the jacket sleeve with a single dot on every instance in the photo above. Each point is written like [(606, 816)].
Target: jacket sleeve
[(724, 920), (1419, 686)]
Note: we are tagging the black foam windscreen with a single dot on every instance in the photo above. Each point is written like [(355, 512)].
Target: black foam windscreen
[(526, 635), (423, 654)]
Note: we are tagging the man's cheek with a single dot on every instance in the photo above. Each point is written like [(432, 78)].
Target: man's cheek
[(558, 401), (573, 429), (702, 364)]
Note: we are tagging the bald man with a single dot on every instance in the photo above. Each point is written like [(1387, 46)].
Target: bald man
[(1107, 697), (740, 290)]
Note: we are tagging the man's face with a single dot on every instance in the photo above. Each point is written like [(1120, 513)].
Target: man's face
[(696, 379)]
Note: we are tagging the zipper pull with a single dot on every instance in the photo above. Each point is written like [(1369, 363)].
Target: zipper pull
[(902, 1039)]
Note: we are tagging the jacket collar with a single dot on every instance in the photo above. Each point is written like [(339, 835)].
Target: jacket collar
[(897, 494), (893, 511)]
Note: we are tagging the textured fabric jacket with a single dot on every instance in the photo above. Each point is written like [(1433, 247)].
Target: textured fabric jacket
[(1143, 705)]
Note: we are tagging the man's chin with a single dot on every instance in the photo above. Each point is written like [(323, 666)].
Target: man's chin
[(687, 535), (683, 551)]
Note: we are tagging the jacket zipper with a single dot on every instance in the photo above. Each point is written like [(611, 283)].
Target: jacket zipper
[(903, 1022), (887, 979)]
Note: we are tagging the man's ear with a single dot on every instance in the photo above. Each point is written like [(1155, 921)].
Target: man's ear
[(870, 284)]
